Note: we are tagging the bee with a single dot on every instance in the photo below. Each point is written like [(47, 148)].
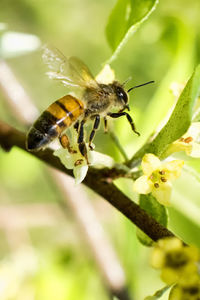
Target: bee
[(97, 100)]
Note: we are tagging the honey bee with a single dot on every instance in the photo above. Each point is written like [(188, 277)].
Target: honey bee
[(98, 100)]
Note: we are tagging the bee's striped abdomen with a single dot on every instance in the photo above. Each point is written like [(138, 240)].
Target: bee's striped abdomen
[(58, 116)]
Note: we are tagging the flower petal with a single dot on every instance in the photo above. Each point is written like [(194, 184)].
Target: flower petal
[(176, 88), (157, 258), (106, 75), (170, 244), (169, 275), (65, 157), (79, 173), (163, 193), (100, 160), (193, 131), (173, 168), (178, 146), (195, 150), (143, 185), (150, 163)]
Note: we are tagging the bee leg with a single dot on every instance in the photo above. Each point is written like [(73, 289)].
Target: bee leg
[(120, 114), (76, 126), (95, 127), (105, 125), (81, 143), (64, 140)]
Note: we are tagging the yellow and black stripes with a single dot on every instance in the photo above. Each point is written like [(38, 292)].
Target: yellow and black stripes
[(46, 124), (69, 113), (58, 116)]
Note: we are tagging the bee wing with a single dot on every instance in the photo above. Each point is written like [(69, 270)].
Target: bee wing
[(70, 71)]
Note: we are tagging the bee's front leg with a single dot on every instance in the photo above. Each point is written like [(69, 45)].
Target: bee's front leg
[(120, 114)]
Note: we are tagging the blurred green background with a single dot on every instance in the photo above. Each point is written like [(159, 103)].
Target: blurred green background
[(49, 259)]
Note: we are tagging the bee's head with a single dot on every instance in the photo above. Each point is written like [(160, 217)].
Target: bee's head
[(121, 96)]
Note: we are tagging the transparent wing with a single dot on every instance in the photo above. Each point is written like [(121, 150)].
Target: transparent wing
[(70, 71)]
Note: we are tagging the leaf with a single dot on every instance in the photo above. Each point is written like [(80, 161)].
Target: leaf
[(125, 18), (181, 117), (158, 293), (154, 209)]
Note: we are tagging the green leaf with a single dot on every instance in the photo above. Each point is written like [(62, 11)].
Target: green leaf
[(154, 209), (125, 18), (158, 294), (181, 117)]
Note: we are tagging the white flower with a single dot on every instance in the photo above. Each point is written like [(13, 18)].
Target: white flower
[(189, 142), (75, 161), (157, 177), (106, 75), (176, 88)]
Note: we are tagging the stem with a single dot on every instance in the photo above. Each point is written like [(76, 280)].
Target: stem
[(119, 146), (136, 159)]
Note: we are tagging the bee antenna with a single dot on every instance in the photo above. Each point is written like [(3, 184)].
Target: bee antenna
[(127, 80), (134, 87)]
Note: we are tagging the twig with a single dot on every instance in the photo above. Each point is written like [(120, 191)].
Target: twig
[(119, 146)]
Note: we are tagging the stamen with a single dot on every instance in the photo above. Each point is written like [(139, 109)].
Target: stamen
[(156, 185), (151, 177), (162, 172), (78, 162), (182, 139), (163, 179), (188, 139)]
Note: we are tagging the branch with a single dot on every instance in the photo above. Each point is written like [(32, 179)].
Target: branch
[(97, 180)]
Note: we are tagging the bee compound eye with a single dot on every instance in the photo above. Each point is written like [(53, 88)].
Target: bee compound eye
[(122, 95)]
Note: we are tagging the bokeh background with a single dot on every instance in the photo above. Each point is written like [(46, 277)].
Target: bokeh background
[(44, 253)]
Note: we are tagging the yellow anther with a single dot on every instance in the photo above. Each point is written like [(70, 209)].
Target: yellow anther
[(156, 185), (78, 162), (188, 139), (163, 179), (162, 172)]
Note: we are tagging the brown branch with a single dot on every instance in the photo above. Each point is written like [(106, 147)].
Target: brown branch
[(97, 180)]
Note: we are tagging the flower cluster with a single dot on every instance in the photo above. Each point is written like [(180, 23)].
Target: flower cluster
[(157, 177), (179, 266)]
